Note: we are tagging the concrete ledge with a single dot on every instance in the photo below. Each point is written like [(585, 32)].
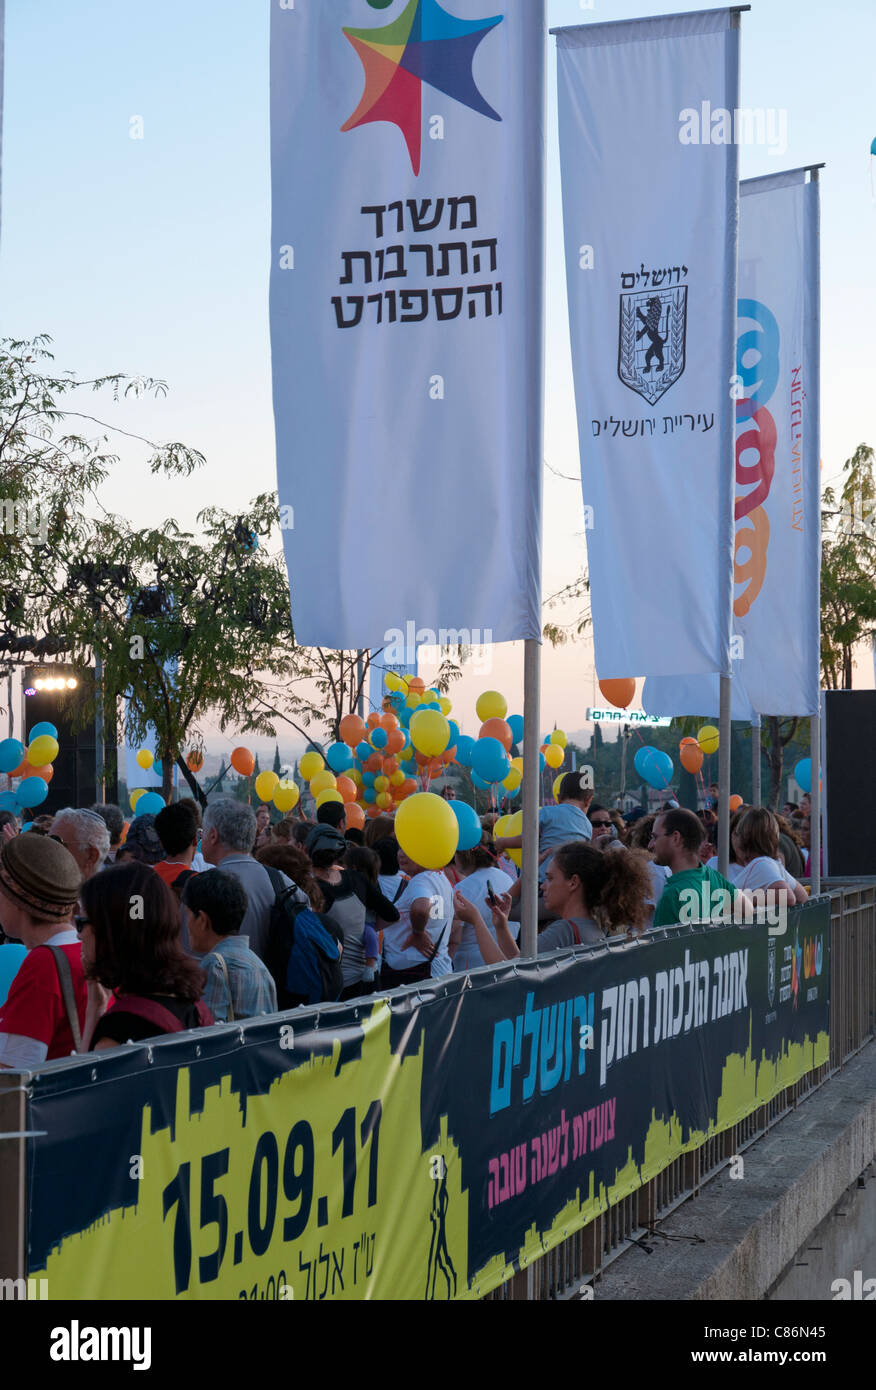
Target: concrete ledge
[(735, 1239)]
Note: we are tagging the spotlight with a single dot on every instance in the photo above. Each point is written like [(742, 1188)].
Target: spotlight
[(71, 683), (40, 684)]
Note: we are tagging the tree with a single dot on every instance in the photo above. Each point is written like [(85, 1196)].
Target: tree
[(848, 568), (277, 766)]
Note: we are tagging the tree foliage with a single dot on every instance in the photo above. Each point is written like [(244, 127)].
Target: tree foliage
[(848, 568)]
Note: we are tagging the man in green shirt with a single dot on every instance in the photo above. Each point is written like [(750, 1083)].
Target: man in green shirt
[(693, 893)]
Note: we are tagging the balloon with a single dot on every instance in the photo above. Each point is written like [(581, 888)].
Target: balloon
[(464, 750), (156, 767), (355, 777), (455, 731), (658, 770), (363, 751), (9, 802), (518, 763), (368, 779), (375, 763), (691, 757), (445, 705), (24, 768), (149, 804), (480, 783), (515, 724), (500, 827), (352, 729), (373, 719), (322, 782), (11, 754), (499, 729), (266, 784), (347, 788), (619, 693), (47, 772), (397, 779), (339, 757), (430, 732), (135, 796), (413, 700), (370, 796), (735, 802), (388, 721), (42, 750), (243, 762), (44, 728), (708, 738), (328, 795), (286, 796), (145, 759), (417, 684), (515, 827), (310, 765), (384, 800), (381, 784), (379, 737), (355, 817), (427, 830), (803, 774), (491, 705), (554, 755), (391, 681), (513, 780), (395, 741), (559, 738), (555, 789), (489, 760), (470, 830), (195, 761), (690, 742)]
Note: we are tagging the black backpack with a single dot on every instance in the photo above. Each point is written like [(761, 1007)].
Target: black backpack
[(302, 951)]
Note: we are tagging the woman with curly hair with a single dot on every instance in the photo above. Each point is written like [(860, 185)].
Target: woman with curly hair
[(294, 863), (141, 983)]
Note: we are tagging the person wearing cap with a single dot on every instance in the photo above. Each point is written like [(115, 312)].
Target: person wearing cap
[(141, 842), (349, 897), (227, 843), (44, 1013)]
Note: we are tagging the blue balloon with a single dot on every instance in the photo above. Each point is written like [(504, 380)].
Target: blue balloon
[(339, 757), (464, 750), (480, 783), (32, 790), (454, 733), (642, 760), (156, 768), (515, 792), (803, 774), (542, 762), (378, 738), (661, 770), (39, 729), (363, 752), (368, 779), (489, 760), (470, 829), (27, 826), (369, 796), (11, 754), (149, 804), (515, 724), (9, 802)]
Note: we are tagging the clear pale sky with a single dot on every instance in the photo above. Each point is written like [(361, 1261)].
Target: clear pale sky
[(152, 255)]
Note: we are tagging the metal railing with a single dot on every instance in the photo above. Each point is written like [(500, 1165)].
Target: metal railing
[(578, 1260)]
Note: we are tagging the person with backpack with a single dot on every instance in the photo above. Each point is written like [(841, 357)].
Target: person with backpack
[(43, 1015), (227, 843), (239, 985), (141, 982), (349, 895)]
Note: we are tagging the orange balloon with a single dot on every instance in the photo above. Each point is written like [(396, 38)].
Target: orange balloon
[(348, 789), (436, 767), (243, 762), (47, 772), (374, 763), (388, 722), (373, 720), (395, 741), (355, 817), (390, 765), (125, 828), (409, 787), (23, 770), (373, 811), (416, 683), (735, 802), (619, 693), (498, 728), (449, 757), (691, 758), (352, 730), (195, 761), (688, 742), (423, 759)]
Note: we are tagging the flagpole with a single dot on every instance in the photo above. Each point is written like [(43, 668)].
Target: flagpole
[(756, 791), (531, 780), (814, 394), (724, 777)]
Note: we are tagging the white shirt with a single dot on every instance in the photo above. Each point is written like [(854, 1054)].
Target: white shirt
[(474, 890), (431, 884), (760, 873)]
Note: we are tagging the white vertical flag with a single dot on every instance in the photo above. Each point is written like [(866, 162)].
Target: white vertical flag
[(650, 185), (777, 570), (406, 315)]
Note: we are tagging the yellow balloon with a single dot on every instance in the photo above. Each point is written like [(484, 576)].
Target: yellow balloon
[(413, 700), (708, 738), (430, 732), (491, 705), (328, 795), (513, 780), (310, 765), (556, 787), (518, 764), (145, 759), (559, 737), (286, 796), (427, 830), (384, 800), (446, 705), (515, 827), (381, 784), (501, 827), (44, 749), (391, 681), (135, 797), (554, 755), (355, 776), (266, 784), (397, 779), (323, 781)]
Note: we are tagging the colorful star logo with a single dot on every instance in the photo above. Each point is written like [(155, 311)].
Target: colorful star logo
[(424, 44)]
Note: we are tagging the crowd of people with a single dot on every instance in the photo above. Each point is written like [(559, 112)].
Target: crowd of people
[(115, 934)]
